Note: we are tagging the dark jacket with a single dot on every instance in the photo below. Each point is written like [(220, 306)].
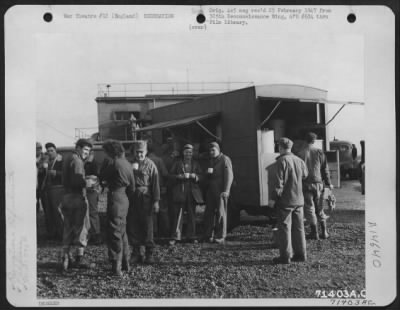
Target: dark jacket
[(74, 174), (57, 165), (118, 174), (318, 170), (147, 180), (222, 176), (183, 187), (291, 171)]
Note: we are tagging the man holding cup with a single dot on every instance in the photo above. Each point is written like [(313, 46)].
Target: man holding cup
[(145, 203), (185, 175), (219, 181)]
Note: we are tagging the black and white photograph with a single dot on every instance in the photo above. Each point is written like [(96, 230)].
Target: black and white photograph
[(209, 155)]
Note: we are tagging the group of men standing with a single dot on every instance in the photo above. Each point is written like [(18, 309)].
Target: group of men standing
[(134, 198), (143, 187)]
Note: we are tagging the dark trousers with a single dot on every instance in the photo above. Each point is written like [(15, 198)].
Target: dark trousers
[(180, 209), (117, 210), (291, 234), (53, 196), (76, 220), (313, 209), (161, 221), (93, 199), (140, 221), (215, 217)]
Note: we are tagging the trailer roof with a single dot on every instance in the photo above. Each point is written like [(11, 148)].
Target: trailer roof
[(298, 92), (178, 122)]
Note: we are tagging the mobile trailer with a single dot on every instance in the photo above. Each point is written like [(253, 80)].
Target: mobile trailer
[(248, 122)]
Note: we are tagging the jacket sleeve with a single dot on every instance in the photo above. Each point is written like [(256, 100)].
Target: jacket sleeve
[(197, 170), (281, 177), (132, 184), (155, 184), (163, 170), (173, 172), (78, 174), (106, 170), (228, 174), (325, 170), (305, 170)]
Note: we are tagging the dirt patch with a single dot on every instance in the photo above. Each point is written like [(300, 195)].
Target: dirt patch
[(241, 268)]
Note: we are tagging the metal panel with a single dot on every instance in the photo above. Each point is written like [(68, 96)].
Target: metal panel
[(177, 122), (238, 126)]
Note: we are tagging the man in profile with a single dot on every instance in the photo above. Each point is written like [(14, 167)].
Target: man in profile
[(318, 174), (75, 206), (289, 200)]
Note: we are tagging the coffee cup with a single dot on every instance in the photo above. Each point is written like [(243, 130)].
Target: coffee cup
[(45, 165), (210, 170), (187, 175), (135, 166)]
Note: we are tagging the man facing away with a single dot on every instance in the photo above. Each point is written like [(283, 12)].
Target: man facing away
[(74, 205), (288, 196), (318, 174)]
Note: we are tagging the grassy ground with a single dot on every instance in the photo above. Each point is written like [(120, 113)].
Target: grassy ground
[(241, 268)]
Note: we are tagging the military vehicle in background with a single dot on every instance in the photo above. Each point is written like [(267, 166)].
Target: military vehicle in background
[(349, 158)]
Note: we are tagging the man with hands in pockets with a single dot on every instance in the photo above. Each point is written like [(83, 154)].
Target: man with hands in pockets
[(288, 198)]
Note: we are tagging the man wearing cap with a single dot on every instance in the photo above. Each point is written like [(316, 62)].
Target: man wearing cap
[(313, 187), (119, 177), (74, 206), (53, 192), (289, 200), (186, 175), (219, 178), (145, 204)]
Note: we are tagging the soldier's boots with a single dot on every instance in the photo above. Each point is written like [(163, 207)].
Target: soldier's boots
[(136, 256), (299, 258), (81, 262), (116, 267), (324, 230), (280, 260), (314, 232), (125, 264), (149, 256), (65, 262)]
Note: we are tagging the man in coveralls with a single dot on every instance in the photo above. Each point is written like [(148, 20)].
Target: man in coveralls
[(145, 204), (119, 177), (313, 187), (74, 205), (219, 176), (288, 197)]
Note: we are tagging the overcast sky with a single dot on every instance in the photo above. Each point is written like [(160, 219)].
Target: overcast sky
[(69, 67)]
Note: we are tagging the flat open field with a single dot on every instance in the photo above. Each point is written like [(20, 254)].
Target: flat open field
[(241, 268)]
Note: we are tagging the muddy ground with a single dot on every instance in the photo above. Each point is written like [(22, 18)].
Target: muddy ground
[(241, 268)]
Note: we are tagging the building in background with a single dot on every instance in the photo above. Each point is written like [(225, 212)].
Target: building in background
[(123, 108)]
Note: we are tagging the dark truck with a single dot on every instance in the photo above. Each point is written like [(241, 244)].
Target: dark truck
[(349, 158)]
